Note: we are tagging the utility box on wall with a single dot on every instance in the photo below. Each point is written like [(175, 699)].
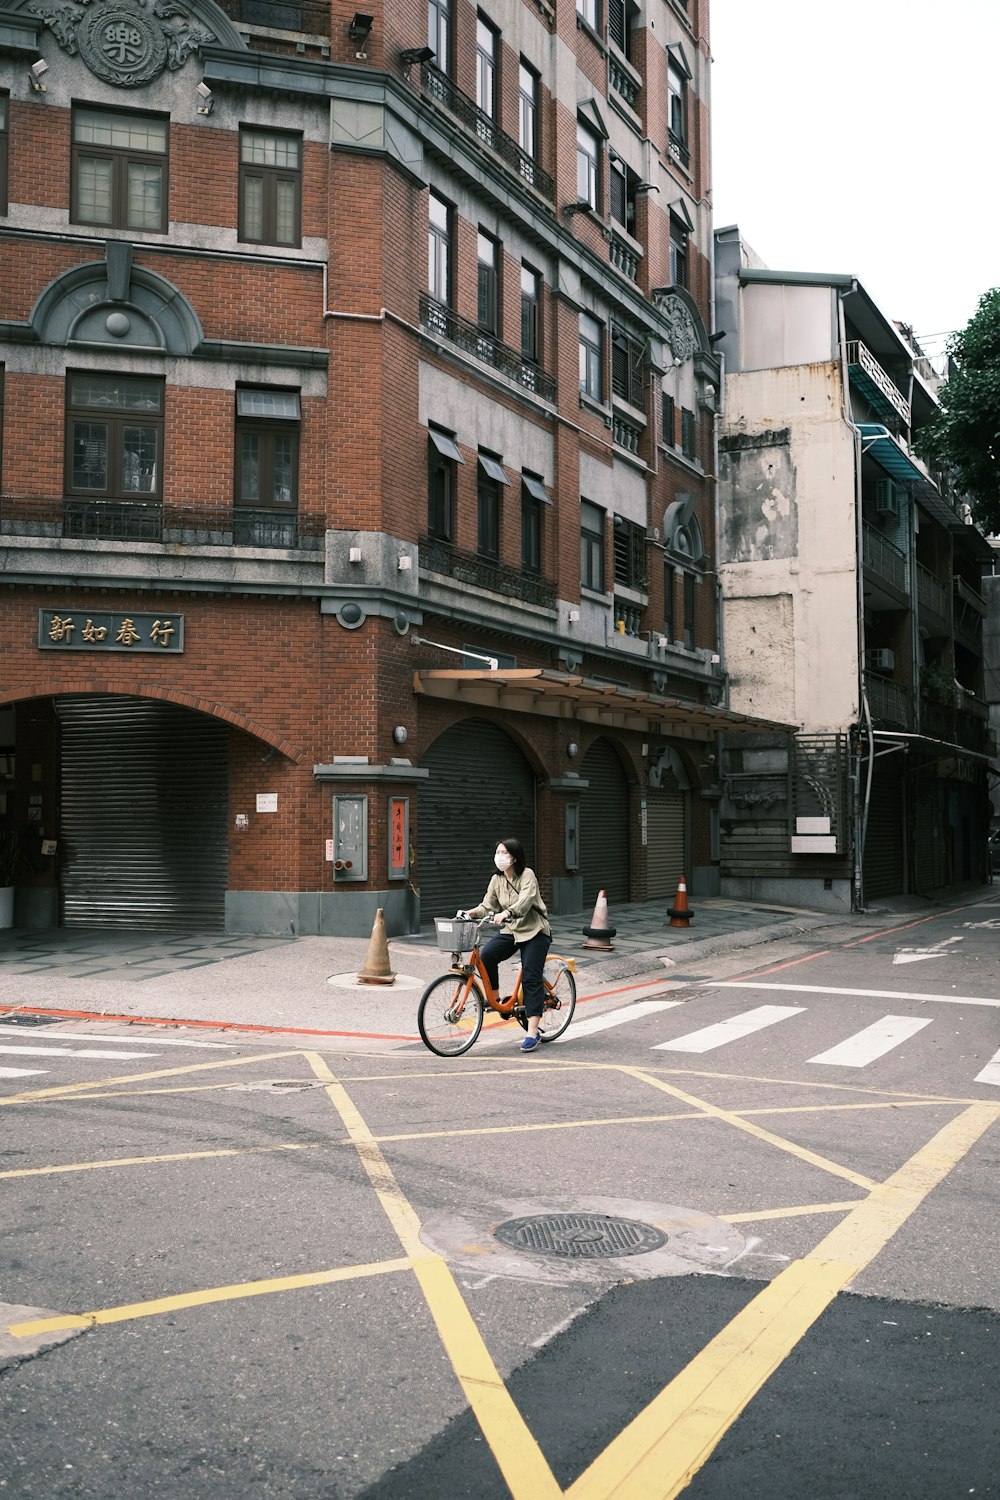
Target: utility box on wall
[(350, 838)]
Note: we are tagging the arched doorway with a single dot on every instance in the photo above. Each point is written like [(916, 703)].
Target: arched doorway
[(480, 788), (144, 814), (604, 825)]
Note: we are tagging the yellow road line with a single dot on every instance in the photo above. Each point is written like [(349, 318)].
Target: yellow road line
[(729, 1118), (517, 1454), (240, 1289), (144, 1161), (790, 1213), (657, 1454), (68, 1090)]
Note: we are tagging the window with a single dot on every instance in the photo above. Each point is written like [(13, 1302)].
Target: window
[(439, 32), (270, 187), (4, 107), (531, 296), (591, 343), (588, 152), (591, 546), (533, 497), (587, 11), (442, 456), (439, 250), (491, 477), (689, 611), (487, 48), (677, 113), (630, 553), (622, 16), (119, 170), (622, 185), (678, 252), (267, 448), (488, 284), (114, 437), (669, 613), (626, 367), (689, 433), (528, 110), (669, 421)]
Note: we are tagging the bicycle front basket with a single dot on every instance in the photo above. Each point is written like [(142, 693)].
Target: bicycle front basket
[(455, 934)]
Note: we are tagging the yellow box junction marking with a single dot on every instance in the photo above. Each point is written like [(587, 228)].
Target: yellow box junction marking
[(517, 1454), (67, 1090)]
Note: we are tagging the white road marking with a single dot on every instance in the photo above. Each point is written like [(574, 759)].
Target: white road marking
[(865, 1046), (832, 989), (68, 1052), (728, 1031), (990, 922), (616, 1017), (142, 1041), (22, 1072), (991, 1072), (914, 955)]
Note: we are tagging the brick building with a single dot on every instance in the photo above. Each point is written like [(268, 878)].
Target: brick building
[(357, 451)]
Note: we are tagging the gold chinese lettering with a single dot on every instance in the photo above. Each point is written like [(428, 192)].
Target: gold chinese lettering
[(161, 632), (127, 633), (92, 632), (61, 629)]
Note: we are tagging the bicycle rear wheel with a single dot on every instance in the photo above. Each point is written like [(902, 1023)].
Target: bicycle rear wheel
[(450, 1015), (560, 1003)]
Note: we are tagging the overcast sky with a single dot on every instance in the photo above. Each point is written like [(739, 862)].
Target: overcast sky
[(863, 136)]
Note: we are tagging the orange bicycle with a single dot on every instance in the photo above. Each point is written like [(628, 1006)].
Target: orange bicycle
[(451, 1009)]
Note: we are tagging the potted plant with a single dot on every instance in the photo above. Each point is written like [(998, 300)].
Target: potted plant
[(10, 858)]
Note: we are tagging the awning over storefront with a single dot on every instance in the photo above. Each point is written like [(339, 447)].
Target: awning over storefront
[(562, 695), (891, 739)]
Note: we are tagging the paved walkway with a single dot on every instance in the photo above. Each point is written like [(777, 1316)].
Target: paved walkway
[(309, 983)]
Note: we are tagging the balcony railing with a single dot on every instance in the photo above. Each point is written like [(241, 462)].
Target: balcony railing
[(678, 149), (624, 258), (932, 596), (889, 703), (439, 319), (439, 87), (881, 557), (875, 382), (189, 525), (112, 521), (625, 434), (483, 573), (628, 618), (624, 82)]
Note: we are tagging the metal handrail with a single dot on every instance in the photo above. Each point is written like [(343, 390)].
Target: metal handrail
[(439, 87), (435, 317)]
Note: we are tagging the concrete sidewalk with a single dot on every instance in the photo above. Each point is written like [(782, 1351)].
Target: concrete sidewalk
[(309, 984)]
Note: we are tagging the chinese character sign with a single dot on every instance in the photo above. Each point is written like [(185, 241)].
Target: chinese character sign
[(83, 630), (399, 837)]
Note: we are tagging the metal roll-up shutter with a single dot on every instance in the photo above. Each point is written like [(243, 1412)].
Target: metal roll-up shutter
[(883, 866), (928, 840), (480, 789), (144, 814), (604, 826), (666, 823)]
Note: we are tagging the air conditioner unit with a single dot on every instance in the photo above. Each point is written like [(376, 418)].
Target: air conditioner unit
[(880, 660), (887, 498)]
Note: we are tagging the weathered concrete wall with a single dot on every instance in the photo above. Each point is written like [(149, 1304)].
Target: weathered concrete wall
[(787, 547)]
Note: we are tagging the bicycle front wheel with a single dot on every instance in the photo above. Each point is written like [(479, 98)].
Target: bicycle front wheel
[(450, 1014), (560, 1003)]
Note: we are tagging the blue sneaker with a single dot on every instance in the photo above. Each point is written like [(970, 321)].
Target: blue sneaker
[(530, 1043)]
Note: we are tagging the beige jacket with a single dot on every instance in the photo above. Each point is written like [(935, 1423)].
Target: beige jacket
[(520, 896)]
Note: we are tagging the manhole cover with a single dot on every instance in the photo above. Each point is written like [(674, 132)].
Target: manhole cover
[(22, 1020), (275, 1086), (580, 1236)]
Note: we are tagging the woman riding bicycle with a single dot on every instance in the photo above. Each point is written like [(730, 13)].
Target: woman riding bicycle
[(514, 901)]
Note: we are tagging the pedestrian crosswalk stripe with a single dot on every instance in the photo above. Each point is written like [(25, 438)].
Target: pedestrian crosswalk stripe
[(69, 1052), (873, 1042), (22, 1072), (832, 989), (991, 1072), (617, 1017), (722, 1032)]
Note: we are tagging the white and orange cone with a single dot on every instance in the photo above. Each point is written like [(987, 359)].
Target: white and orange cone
[(599, 934), (680, 914)]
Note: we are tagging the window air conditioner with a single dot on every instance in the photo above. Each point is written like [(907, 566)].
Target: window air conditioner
[(880, 660), (887, 498)]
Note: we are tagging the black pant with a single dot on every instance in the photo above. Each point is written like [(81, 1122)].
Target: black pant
[(533, 955)]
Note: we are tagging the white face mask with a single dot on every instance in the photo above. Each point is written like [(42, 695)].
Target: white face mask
[(502, 861)]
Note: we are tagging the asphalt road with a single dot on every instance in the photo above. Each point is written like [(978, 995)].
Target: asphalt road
[(230, 1268)]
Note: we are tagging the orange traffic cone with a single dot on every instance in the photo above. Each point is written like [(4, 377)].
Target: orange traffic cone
[(375, 969), (599, 934), (680, 916)]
